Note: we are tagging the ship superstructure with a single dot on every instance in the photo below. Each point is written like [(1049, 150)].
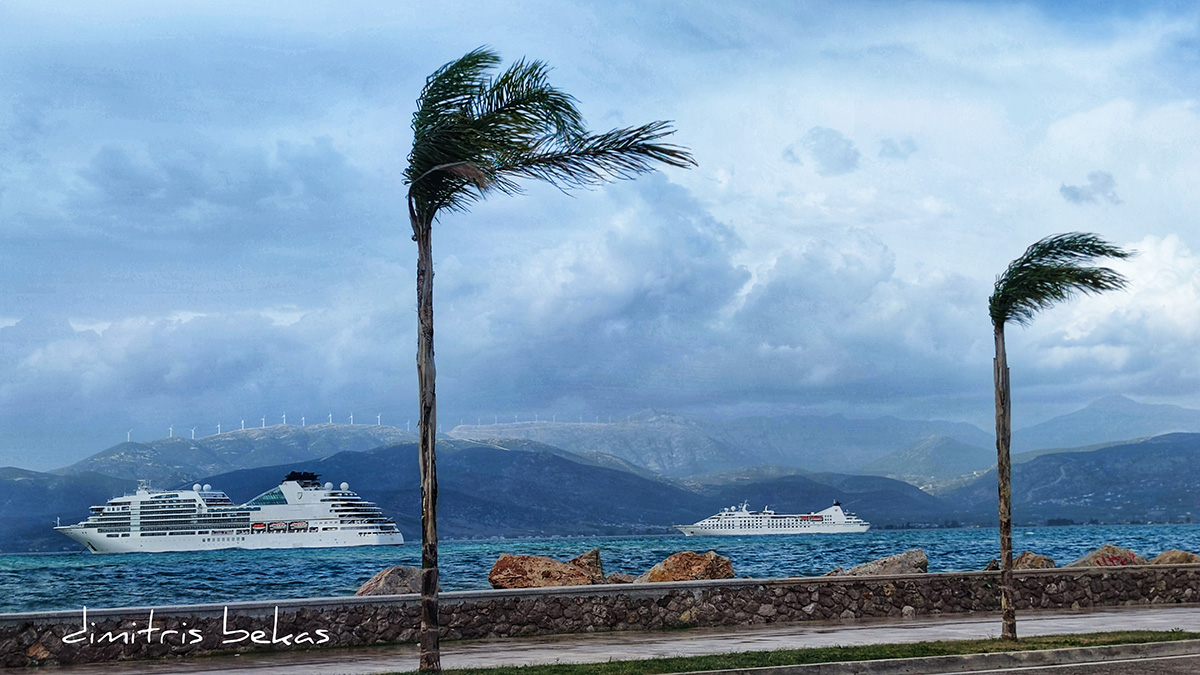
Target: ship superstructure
[(741, 521), (298, 513)]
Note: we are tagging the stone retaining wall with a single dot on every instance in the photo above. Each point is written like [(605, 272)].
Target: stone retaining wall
[(133, 633)]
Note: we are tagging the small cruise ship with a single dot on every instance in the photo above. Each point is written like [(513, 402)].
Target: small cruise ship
[(299, 513), (741, 521)]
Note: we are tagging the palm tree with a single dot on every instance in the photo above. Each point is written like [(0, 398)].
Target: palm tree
[(1050, 271), (476, 133)]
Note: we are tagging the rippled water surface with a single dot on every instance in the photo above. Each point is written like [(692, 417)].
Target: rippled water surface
[(31, 582)]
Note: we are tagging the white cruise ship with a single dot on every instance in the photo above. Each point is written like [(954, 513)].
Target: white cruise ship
[(299, 513), (740, 521)]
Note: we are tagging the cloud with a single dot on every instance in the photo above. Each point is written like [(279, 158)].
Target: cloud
[(890, 148), (1101, 185), (834, 154)]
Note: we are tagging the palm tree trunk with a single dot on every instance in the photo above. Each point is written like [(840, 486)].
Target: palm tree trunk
[(426, 431), (1004, 479)]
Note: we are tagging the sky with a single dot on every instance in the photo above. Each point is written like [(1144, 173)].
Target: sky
[(202, 214)]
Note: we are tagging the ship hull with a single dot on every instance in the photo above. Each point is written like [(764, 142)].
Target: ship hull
[(99, 543), (695, 531)]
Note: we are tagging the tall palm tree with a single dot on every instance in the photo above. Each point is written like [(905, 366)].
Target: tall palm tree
[(1050, 271), (476, 133)]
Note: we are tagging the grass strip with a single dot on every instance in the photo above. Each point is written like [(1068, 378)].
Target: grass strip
[(789, 657)]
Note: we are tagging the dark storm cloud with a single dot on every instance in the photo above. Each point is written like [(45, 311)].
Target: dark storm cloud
[(1100, 186), (834, 154)]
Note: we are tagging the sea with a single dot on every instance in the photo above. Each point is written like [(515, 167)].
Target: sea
[(67, 581)]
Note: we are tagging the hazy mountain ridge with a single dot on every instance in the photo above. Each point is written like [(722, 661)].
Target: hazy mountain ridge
[(837, 442), (1113, 418), (667, 444), (932, 459), (678, 446), (179, 460)]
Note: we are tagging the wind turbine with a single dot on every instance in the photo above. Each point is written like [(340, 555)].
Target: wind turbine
[(171, 431), (243, 425), (406, 423), (378, 419), (264, 422), (218, 428), (193, 433), (127, 434), (331, 418), (301, 420), (285, 419), (351, 419)]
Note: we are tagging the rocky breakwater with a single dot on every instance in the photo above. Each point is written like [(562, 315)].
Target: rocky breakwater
[(532, 571)]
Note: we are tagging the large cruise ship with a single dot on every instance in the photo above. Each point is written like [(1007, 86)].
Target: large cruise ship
[(740, 521), (299, 513)]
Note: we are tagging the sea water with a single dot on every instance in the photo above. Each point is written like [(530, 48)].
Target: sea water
[(66, 581)]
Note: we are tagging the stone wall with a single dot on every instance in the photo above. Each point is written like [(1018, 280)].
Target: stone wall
[(119, 634)]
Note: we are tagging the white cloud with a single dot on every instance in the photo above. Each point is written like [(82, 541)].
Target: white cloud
[(166, 179)]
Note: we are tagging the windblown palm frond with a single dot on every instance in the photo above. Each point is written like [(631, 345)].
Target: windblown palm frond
[(474, 134), (1050, 271)]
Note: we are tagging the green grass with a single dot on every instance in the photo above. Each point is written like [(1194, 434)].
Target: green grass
[(788, 657)]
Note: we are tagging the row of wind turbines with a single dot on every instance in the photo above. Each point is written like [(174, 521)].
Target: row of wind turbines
[(263, 425), (379, 422)]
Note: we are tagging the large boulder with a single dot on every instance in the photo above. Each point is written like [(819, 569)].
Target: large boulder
[(590, 562), (620, 578), (535, 571), (689, 566), (912, 561), (1110, 556), (1175, 557), (1029, 560), (396, 580)]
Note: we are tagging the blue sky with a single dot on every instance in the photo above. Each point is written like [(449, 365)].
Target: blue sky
[(201, 213)]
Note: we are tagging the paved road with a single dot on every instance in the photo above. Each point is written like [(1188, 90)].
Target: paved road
[(599, 647)]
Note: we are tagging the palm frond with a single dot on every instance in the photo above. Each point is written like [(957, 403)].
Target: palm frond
[(1050, 271), (474, 134)]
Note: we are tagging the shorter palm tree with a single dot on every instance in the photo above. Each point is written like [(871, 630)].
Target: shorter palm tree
[(1050, 271)]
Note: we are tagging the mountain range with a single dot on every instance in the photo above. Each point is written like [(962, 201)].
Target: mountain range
[(655, 470)]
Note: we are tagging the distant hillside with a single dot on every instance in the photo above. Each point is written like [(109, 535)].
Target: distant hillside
[(1148, 480), (486, 490), (31, 500), (1106, 420), (178, 460), (931, 459)]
